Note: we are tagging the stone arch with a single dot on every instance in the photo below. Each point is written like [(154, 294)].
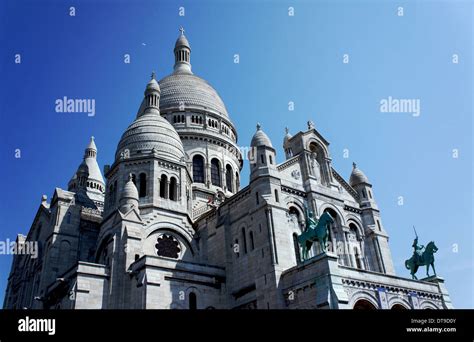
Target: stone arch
[(199, 176), (315, 142), (229, 177), (293, 208), (186, 245), (336, 233), (325, 206), (357, 224), (289, 201), (355, 246), (428, 306), (319, 167), (402, 304), (216, 171), (365, 299)]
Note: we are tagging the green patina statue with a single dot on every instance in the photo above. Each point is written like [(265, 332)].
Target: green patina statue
[(316, 230), (421, 257)]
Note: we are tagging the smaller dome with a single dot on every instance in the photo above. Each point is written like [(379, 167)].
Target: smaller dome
[(260, 138), (130, 191), (182, 40), (153, 85), (357, 176)]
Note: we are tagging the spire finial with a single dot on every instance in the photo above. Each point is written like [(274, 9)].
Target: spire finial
[(310, 124), (130, 177), (354, 165), (153, 75), (259, 127), (287, 130), (181, 29)]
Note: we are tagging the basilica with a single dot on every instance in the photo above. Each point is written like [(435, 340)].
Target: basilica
[(168, 225)]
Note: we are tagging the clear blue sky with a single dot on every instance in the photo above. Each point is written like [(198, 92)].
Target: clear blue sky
[(282, 59)]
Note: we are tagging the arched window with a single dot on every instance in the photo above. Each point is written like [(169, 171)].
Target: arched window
[(237, 182), (297, 248), (192, 301), (363, 304), (398, 307), (252, 243), (228, 178), (337, 237), (257, 199), (163, 185), (357, 258), (277, 199), (271, 159), (295, 216), (198, 169), (173, 189), (244, 239), (215, 172), (142, 192)]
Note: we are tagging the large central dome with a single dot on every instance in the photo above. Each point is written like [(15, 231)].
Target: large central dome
[(185, 89)]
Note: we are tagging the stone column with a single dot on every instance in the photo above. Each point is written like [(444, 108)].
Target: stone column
[(167, 187)]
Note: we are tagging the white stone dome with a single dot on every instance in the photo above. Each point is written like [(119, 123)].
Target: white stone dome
[(153, 85), (193, 92), (130, 191), (151, 131), (260, 138), (182, 41), (357, 176)]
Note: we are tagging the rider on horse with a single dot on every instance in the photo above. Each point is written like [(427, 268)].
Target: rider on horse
[(417, 250), (311, 222)]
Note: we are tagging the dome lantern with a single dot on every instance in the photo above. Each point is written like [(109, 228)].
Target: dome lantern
[(182, 54), (152, 96)]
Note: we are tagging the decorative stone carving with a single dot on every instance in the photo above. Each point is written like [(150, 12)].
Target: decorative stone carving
[(295, 174), (168, 246)]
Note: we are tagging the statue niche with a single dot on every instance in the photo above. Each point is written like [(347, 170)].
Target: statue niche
[(317, 163)]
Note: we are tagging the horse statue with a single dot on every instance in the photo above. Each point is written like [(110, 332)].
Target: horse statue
[(421, 256), (315, 230)]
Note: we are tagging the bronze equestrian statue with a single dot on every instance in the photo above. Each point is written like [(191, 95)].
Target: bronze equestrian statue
[(316, 230), (422, 256)]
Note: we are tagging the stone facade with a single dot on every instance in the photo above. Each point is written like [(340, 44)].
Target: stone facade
[(171, 228)]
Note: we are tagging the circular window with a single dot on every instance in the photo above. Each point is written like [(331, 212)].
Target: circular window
[(168, 246)]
